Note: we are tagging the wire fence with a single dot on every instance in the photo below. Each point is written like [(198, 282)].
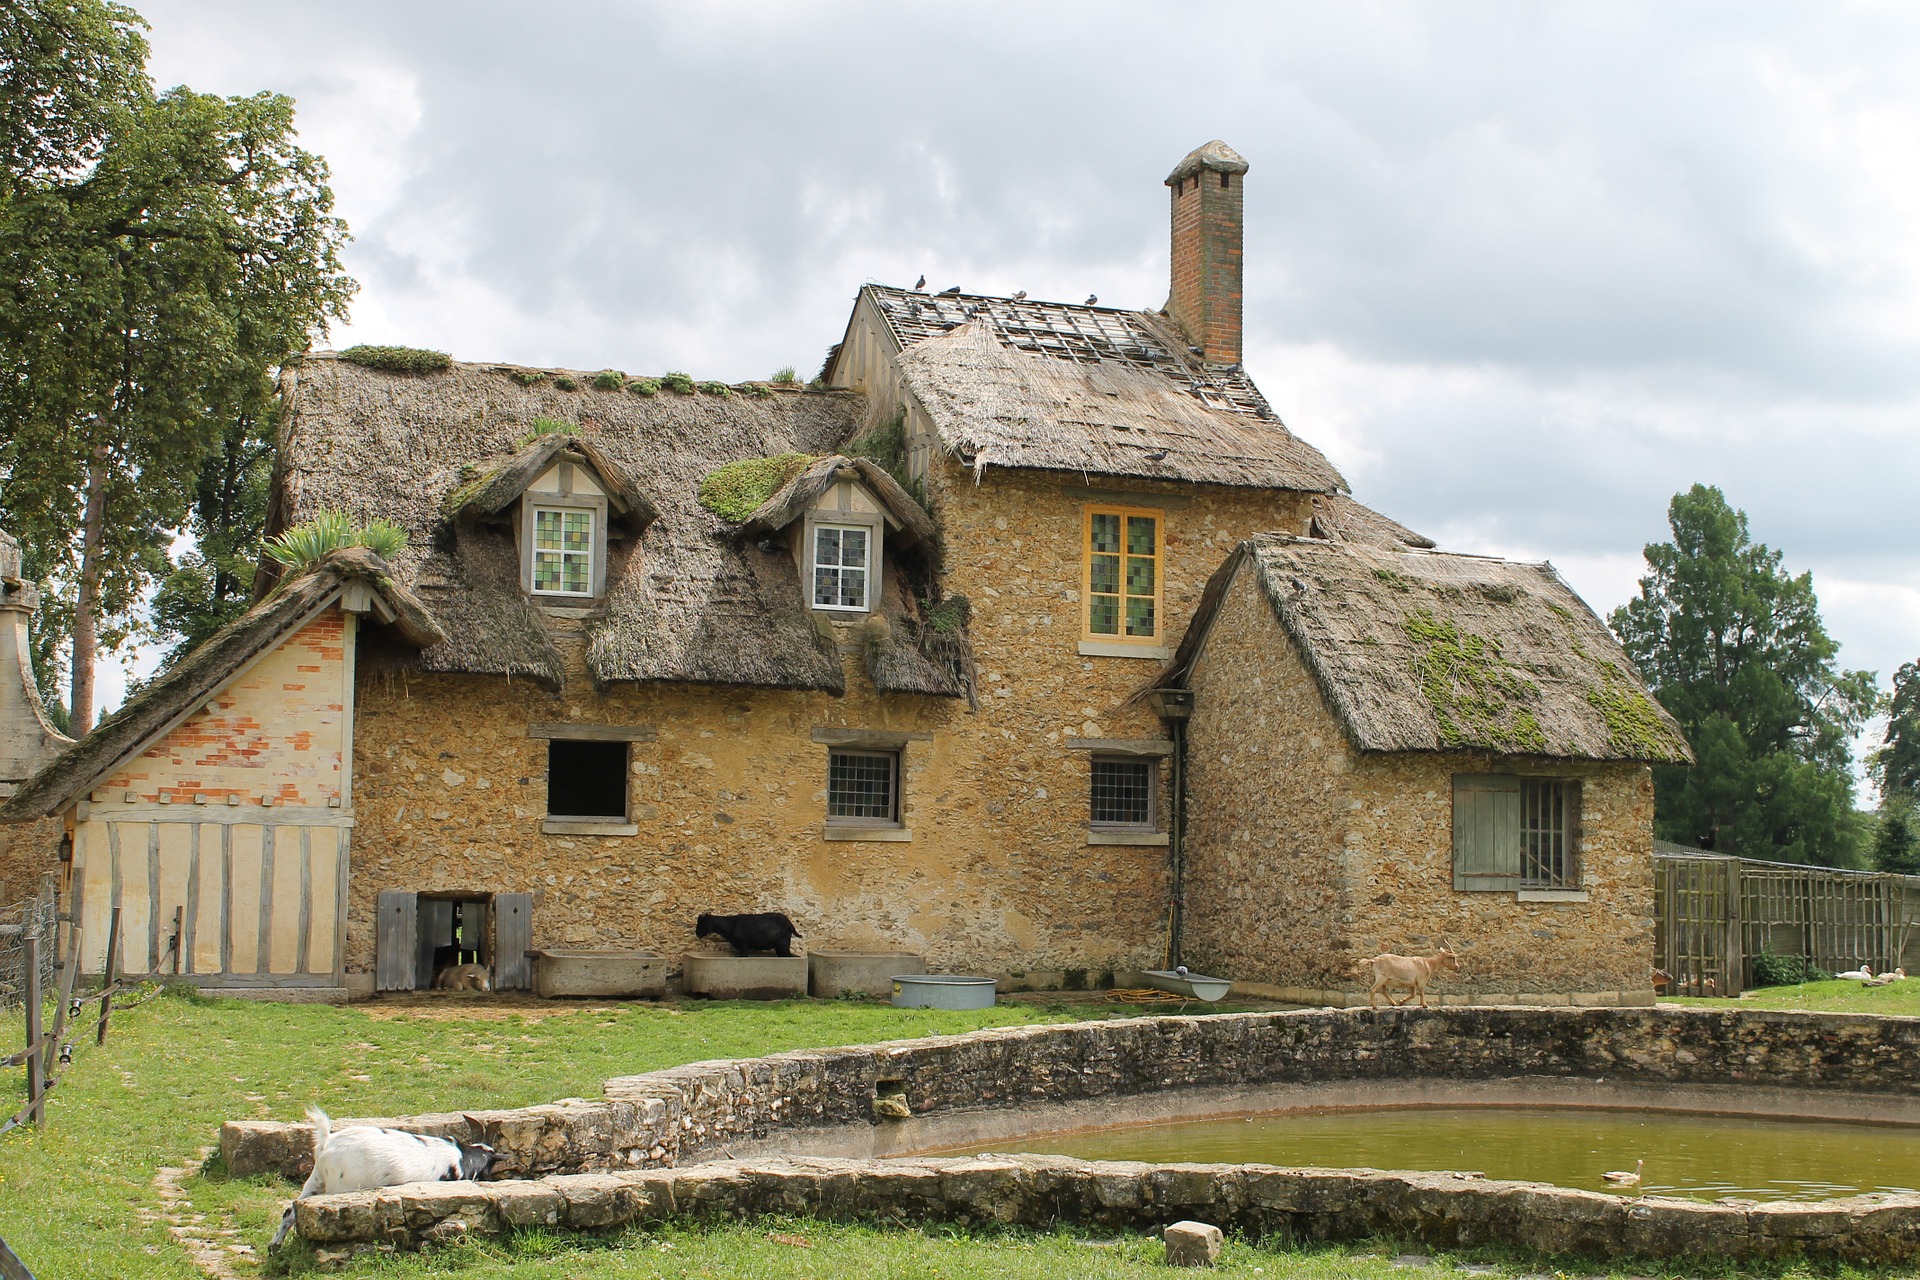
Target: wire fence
[(34, 918)]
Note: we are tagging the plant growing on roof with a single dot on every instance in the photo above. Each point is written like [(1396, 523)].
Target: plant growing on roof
[(758, 390), (715, 389), (397, 359), (885, 445), (644, 386), (545, 426), (674, 380), (785, 376), (609, 380), (738, 489), (565, 382), (1471, 688), (528, 377), (308, 543)]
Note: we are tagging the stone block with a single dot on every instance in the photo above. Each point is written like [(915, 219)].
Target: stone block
[(600, 974), (831, 974), (744, 977), (1192, 1244)]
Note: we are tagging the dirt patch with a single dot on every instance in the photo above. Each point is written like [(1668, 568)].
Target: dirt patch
[(213, 1249)]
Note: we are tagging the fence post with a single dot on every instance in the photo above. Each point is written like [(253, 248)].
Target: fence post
[(66, 998), (112, 975), (10, 1265), (1736, 974), (36, 1069)]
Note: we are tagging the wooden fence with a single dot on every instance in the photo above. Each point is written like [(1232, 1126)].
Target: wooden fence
[(1714, 914)]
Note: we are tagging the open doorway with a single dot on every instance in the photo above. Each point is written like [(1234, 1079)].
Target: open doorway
[(419, 934)]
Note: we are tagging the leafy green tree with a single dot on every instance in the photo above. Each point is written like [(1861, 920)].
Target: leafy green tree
[(158, 256), (1896, 842), (1734, 647), (1896, 765), (212, 584)]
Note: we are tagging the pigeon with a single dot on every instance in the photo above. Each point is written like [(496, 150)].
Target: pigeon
[(950, 293), (921, 283), (1020, 296), (1093, 299), (1156, 455), (1180, 969)]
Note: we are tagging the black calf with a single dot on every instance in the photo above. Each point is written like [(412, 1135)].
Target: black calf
[(755, 931)]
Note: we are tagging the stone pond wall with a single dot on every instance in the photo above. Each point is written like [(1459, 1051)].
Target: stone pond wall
[(601, 1163), (1304, 855)]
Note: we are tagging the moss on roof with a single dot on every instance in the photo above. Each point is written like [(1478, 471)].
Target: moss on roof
[(738, 489)]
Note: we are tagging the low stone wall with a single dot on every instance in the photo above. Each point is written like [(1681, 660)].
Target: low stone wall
[(1441, 1210), (824, 1101)]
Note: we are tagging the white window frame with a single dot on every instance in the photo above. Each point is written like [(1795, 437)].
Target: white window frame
[(595, 554), (813, 532)]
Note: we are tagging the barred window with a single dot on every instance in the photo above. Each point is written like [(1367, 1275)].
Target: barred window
[(1123, 791), (863, 786), (1544, 810), (840, 566)]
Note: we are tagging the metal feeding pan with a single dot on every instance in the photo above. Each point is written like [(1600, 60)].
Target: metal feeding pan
[(1195, 986)]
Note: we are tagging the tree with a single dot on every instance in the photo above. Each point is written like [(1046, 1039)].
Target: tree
[(1734, 647), (212, 584), (1896, 765), (159, 256), (1896, 843)]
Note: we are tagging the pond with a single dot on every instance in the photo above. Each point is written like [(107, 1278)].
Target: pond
[(1686, 1154)]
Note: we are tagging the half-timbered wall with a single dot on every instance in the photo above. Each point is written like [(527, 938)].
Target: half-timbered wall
[(232, 829)]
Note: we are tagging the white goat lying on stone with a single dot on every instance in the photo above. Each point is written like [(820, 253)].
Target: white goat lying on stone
[(363, 1158), (1411, 972)]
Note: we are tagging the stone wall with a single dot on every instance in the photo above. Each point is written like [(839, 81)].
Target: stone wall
[(779, 1103), (1001, 873), (1305, 855)]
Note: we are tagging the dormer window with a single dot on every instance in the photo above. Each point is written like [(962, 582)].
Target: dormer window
[(565, 545), (842, 566)]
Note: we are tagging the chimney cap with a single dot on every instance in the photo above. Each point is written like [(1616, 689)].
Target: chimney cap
[(1216, 155)]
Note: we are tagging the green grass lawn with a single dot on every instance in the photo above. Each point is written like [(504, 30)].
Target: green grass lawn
[(79, 1199), (1837, 996)]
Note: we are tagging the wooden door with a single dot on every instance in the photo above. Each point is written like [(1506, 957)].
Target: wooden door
[(512, 939), (396, 947)]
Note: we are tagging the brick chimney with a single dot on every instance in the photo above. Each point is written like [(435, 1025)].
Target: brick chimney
[(1209, 219), (27, 741)]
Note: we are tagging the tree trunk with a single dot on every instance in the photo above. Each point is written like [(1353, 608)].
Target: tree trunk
[(87, 600)]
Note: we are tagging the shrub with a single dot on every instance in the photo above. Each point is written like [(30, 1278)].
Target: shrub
[(397, 359), (758, 390), (735, 491), (644, 386), (305, 545), (544, 426), (785, 376), (609, 380), (674, 380), (527, 377), (715, 389), (1785, 971), (565, 383)]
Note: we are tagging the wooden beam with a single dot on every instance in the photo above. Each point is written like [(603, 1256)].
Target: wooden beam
[(594, 732)]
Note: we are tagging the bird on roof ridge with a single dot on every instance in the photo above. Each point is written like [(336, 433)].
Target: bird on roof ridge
[(1020, 296), (921, 283), (1093, 300), (949, 293)]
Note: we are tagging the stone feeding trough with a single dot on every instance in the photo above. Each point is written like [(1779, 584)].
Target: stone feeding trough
[(832, 974), (743, 977), (598, 974)]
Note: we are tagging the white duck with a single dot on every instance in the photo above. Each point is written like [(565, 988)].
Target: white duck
[(1862, 974), (1620, 1178)]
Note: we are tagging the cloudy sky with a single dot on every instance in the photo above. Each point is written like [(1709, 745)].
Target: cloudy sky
[(1522, 270)]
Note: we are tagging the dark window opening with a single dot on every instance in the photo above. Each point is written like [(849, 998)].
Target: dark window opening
[(862, 786), (1223, 180), (450, 931), (586, 779), (1545, 835), (1123, 792)]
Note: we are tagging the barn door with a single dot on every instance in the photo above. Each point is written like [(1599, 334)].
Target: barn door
[(396, 946), (512, 939)]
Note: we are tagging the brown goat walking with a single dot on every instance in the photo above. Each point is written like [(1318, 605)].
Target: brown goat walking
[(1411, 972)]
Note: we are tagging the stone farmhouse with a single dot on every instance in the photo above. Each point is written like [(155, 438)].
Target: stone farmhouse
[(1028, 637)]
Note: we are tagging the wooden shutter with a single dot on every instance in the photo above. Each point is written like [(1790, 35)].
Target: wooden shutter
[(396, 941), (1486, 831), (433, 931), (512, 939)]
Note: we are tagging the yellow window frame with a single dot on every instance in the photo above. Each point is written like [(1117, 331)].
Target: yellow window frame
[(1158, 557)]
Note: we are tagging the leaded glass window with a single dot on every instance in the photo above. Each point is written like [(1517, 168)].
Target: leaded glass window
[(842, 566), (1123, 574), (562, 551), (1122, 792)]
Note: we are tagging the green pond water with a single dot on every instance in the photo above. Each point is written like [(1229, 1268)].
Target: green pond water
[(1686, 1154)]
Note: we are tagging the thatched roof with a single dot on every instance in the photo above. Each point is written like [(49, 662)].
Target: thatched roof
[(1095, 390), (1338, 518), (495, 491), (689, 598), (1428, 651), (190, 682), (797, 496)]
